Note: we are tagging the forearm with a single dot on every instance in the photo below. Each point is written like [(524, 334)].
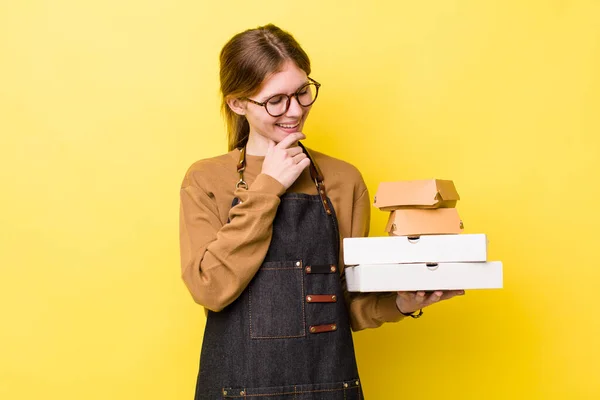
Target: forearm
[(371, 310), (218, 263)]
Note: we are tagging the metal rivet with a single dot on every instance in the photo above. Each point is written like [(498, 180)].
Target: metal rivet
[(312, 329), (356, 383), (242, 393), (333, 297), (224, 392), (334, 327), (325, 202), (322, 191), (332, 268), (308, 298), (345, 385), (297, 263), (308, 270)]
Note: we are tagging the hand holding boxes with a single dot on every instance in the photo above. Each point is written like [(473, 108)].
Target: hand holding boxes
[(424, 250)]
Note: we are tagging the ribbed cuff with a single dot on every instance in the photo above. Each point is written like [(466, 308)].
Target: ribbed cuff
[(387, 309)]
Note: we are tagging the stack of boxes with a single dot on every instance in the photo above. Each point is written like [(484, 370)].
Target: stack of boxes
[(425, 249), (424, 207)]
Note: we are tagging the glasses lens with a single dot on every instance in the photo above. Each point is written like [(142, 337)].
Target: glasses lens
[(307, 95), (277, 105)]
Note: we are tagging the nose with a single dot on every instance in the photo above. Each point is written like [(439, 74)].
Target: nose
[(295, 109)]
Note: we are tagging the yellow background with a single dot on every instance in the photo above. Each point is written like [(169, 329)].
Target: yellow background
[(103, 106)]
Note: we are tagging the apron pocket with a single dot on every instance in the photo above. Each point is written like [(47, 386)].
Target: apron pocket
[(276, 301)]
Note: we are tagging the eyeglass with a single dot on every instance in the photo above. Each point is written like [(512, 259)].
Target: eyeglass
[(278, 104)]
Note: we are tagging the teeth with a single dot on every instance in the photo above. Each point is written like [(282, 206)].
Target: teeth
[(288, 126)]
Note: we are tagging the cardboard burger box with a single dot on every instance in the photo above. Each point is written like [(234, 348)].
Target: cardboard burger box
[(415, 222), (428, 193)]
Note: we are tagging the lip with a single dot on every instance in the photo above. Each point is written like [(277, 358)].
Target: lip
[(294, 127)]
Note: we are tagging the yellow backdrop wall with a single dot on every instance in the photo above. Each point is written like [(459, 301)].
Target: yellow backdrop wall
[(103, 106)]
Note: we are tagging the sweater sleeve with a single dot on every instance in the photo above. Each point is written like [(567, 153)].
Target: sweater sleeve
[(368, 310), (219, 260)]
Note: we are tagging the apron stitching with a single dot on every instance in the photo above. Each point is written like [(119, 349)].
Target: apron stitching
[(303, 295), (278, 337), (250, 311), (294, 393)]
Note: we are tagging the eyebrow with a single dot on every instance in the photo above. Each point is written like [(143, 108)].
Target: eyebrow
[(277, 94)]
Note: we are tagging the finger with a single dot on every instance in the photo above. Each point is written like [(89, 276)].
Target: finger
[(409, 296), (304, 163), (294, 151), (299, 157), (452, 293), (406, 296), (271, 146), (290, 139), (417, 298), (433, 298)]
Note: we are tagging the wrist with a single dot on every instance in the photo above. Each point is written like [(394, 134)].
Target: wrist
[(268, 184)]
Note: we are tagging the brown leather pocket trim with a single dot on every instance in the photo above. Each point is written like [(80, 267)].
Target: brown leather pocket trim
[(322, 328), (320, 269), (321, 298)]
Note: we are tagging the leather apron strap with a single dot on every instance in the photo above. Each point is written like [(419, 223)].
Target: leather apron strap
[(315, 174)]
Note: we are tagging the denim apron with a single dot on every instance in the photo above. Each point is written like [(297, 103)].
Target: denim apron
[(287, 336)]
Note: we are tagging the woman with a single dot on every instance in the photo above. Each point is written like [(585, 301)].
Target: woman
[(260, 239)]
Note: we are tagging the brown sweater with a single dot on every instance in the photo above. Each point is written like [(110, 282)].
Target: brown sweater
[(218, 260)]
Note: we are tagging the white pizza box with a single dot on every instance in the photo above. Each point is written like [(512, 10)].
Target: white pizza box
[(411, 277), (419, 249)]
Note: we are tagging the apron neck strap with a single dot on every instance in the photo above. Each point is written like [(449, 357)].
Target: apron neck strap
[(315, 172), (315, 175)]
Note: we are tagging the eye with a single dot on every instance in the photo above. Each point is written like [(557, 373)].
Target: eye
[(276, 100)]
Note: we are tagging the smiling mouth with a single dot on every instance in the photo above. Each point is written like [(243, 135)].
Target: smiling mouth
[(288, 126)]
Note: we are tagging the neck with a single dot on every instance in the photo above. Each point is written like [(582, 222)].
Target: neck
[(257, 145)]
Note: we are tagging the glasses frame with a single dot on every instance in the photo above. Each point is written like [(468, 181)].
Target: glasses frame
[(289, 98)]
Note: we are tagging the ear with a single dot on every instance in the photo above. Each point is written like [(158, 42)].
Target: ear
[(236, 105)]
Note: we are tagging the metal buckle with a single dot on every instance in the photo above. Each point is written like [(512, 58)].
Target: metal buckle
[(241, 184)]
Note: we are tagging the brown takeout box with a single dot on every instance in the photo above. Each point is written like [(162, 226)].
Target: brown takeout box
[(427, 193), (416, 222)]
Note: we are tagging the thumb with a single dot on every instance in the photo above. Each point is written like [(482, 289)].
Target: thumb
[(271, 146)]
